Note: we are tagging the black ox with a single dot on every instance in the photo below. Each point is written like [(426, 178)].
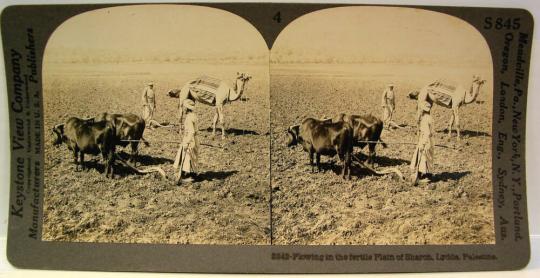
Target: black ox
[(367, 130), (129, 130), (324, 138), (88, 137)]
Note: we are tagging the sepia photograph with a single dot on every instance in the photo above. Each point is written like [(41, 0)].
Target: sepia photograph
[(294, 138), (381, 126), (374, 128), (157, 129)]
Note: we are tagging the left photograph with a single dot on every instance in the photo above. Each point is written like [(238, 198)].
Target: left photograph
[(157, 128)]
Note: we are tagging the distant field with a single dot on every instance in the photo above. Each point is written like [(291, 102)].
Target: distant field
[(230, 206), (322, 208)]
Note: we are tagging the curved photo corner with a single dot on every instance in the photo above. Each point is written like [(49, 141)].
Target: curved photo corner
[(141, 62), (367, 66)]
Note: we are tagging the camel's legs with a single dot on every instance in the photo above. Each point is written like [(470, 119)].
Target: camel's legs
[(451, 123), (214, 122), (221, 121), (457, 123)]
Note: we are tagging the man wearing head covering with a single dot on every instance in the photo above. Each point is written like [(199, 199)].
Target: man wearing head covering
[(388, 103), (148, 102), (186, 157), (422, 160)]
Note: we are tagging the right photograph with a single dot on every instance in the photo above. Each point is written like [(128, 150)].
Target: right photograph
[(381, 130)]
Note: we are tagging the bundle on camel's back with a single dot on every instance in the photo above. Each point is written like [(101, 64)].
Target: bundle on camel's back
[(212, 92)]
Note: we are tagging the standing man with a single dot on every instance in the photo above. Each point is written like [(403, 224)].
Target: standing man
[(186, 157), (422, 160), (389, 105), (149, 103)]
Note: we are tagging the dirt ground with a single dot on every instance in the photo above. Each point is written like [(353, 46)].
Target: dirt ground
[(322, 208), (230, 205)]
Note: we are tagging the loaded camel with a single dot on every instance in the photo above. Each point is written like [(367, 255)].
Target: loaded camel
[(213, 92), (450, 97)]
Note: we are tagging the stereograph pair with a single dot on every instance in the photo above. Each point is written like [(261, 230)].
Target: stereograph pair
[(270, 132)]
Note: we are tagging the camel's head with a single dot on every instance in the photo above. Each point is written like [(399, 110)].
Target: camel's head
[(241, 80), (243, 76), (476, 86), (478, 81)]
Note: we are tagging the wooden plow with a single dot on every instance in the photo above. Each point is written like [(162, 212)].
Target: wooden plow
[(382, 172), (392, 170), (153, 169), (171, 142), (141, 171), (405, 143)]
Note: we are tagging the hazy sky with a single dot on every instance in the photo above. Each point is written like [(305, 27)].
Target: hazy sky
[(382, 32), (365, 33), (159, 28)]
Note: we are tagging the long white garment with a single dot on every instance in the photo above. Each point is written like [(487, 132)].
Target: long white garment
[(189, 151), (423, 155)]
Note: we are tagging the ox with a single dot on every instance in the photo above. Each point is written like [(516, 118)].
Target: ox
[(128, 127), (324, 138), (83, 136), (365, 128)]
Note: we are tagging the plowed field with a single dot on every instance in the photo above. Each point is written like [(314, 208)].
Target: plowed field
[(230, 204)]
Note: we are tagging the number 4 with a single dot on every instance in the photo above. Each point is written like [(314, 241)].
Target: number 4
[(277, 17)]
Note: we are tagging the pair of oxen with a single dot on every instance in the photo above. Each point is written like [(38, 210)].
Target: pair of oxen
[(100, 135), (330, 137)]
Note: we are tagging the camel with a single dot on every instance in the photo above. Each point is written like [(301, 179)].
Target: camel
[(222, 94), (452, 98)]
